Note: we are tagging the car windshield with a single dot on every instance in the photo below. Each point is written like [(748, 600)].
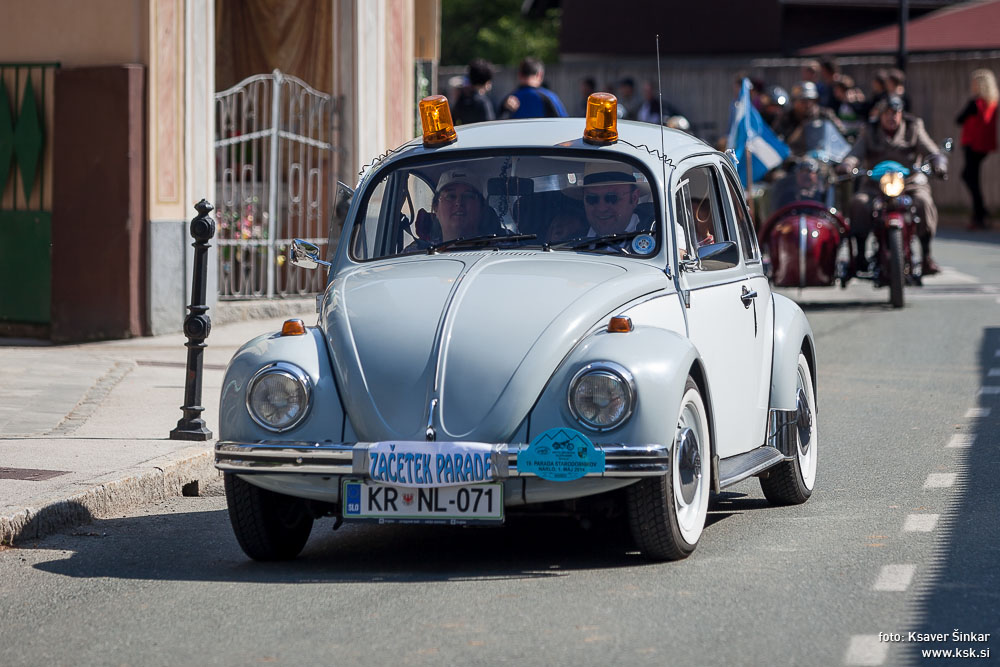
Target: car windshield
[(507, 201)]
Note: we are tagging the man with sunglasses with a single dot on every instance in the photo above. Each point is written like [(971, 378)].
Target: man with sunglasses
[(610, 196)]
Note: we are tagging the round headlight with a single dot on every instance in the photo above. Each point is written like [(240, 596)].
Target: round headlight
[(278, 396), (892, 183), (601, 396)]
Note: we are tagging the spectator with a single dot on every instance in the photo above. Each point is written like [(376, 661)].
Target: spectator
[(649, 111), (879, 87), (828, 71), (849, 103), (628, 106), (588, 86), (979, 138), (895, 84), (473, 104), (531, 99)]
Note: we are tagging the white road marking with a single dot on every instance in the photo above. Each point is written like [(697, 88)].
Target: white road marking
[(920, 523), (939, 480), (990, 390), (994, 373), (895, 577), (866, 650), (977, 413), (961, 440)]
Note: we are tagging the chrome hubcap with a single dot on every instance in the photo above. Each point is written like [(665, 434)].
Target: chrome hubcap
[(688, 464)]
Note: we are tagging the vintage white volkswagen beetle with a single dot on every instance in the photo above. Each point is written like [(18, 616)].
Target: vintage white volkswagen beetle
[(509, 320)]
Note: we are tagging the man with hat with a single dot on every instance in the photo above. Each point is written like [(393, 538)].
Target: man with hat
[(902, 138), (610, 194)]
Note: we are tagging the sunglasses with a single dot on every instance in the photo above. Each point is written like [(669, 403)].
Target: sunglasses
[(609, 198)]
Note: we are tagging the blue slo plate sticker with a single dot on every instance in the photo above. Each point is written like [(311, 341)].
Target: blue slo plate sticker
[(561, 455)]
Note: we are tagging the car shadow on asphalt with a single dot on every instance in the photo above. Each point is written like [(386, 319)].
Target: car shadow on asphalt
[(200, 546)]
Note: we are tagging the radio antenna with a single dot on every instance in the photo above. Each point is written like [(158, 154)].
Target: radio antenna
[(663, 153)]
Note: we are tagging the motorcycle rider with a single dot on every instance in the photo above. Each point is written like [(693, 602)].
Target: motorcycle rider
[(900, 137), (805, 110)]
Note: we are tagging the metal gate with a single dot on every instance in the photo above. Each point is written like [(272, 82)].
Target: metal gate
[(275, 170)]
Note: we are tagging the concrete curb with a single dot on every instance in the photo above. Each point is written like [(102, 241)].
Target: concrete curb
[(113, 494)]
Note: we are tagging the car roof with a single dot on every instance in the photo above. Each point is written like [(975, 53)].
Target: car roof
[(640, 140)]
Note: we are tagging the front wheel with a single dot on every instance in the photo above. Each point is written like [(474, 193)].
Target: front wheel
[(896, 267), (268, 525), (667, 514), (792, 482)]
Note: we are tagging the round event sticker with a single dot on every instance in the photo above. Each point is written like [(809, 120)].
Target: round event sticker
[(561, 455), (643, 244)]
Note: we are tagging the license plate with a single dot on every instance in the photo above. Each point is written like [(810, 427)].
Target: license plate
[(477, 503)]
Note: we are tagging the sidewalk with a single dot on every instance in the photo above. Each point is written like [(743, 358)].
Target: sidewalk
[(84, 429)]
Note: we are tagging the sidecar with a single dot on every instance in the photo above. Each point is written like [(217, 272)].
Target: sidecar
[(808, 245)]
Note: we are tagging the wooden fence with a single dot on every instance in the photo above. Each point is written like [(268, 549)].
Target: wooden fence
[(938, 85)]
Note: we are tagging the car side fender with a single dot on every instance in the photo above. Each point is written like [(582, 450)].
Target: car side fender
[(659, 361), (325, 419), (792, 334)]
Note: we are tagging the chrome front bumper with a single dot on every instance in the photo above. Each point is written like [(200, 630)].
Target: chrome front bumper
[(317, 458)]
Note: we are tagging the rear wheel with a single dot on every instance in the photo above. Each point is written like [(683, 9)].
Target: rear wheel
[(667, 514), (268, 525), (791, 482), (896, 267)]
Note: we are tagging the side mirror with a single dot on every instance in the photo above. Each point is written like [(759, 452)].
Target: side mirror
[(305, 255), (947, 145), (715, 256)]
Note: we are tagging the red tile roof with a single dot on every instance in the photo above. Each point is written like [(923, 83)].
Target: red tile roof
[(970, 25)]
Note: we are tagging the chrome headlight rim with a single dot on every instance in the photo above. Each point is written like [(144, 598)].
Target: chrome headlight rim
[(611, 369), (288, 370)]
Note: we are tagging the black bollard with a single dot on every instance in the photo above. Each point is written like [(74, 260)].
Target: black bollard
[(197, 326)]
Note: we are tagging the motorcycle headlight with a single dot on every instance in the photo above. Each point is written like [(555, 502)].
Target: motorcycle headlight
[(602, 396), (278, 396), (891, 183)]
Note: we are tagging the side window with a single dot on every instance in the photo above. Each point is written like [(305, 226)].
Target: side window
[(709, 223), (743, 224)]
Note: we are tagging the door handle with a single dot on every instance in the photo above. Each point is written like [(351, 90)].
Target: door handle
[(748, 296)]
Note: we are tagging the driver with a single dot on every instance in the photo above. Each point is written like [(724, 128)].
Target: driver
[(805, 110), (458, 211), (458, 204), (902, 138)]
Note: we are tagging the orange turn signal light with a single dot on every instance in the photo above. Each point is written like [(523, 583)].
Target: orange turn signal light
[(435, 117), (293, 328), (602, 119), (620, 324)]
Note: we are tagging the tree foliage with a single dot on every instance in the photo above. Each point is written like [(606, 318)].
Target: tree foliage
[(497, 31)]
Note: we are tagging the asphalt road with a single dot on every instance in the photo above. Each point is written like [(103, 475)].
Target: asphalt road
[(902, 535)]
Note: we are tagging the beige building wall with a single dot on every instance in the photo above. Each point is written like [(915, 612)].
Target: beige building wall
[(76, 33)]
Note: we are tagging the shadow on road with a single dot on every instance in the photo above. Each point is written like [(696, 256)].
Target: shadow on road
[(963, 585), (200, 546)]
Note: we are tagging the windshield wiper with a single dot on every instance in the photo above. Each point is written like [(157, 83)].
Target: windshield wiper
[(487, 240), (607, 240)]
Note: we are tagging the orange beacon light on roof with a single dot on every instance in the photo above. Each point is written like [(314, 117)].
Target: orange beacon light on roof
[(602, 119), (435, 117)]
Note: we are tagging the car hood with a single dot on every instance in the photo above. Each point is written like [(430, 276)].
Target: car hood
[(480, 332)]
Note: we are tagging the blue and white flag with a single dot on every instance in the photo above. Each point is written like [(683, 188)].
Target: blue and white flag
[(748, 130)]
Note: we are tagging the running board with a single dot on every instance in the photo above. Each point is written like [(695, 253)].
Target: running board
[(737, 468)]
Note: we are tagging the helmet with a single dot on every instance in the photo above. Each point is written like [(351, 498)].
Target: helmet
[(805, 90), (776, 95)]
